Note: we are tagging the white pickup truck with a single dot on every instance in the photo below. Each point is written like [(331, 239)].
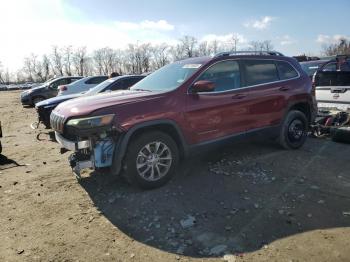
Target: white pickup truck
[(332, 90)]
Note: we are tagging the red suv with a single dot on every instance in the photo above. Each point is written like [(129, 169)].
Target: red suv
[(183, 108)]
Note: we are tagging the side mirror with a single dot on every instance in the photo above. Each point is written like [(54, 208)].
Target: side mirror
[(203, 86)]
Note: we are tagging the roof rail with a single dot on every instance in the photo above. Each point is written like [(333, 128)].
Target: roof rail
[(231, 53)]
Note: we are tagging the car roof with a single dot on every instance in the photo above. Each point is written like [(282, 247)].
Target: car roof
[(314, 62), (125, 76)]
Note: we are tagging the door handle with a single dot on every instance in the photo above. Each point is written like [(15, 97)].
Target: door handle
[(238, 96), (284, 88)]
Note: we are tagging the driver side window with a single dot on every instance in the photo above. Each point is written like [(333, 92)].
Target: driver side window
[(57, 83), (225, 75)]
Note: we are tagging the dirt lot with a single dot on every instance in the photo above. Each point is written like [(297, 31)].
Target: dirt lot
[(253, 201)]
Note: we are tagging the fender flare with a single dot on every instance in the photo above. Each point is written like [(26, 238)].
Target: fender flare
[(292, 104), (123, 141)]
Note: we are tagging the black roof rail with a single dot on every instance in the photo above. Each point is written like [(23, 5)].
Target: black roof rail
[(231, 53)]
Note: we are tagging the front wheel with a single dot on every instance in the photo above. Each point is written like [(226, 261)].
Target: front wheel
[(151, 160), (294, 130)]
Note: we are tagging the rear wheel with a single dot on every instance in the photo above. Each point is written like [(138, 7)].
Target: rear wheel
[(294, 130), (151, 160)]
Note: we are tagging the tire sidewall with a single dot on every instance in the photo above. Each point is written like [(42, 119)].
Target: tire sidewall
[(284, 139), (134, 148)]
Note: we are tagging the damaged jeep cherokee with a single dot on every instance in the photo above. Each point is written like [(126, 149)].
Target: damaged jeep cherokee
[(183, 108)]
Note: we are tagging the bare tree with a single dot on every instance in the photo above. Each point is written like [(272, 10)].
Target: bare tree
[(67, 59), (204, 49), (160, 55), (2, 77), (189, 44), (233, 42), (214, 47), (80, 60), (45, 63), (57, 60), (340, 48), (260, 46)]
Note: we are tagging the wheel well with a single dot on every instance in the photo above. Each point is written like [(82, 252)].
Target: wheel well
[(166, 128), (303, 107), (37, 96)]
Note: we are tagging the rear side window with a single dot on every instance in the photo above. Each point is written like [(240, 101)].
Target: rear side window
[(130, 82), (330, 67), (334, 78), (285, 70), (59, 82), (71, 80), (96, 80), (118, 85), (260, 72), (225, 75)]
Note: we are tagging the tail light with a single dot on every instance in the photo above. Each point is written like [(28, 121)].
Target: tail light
[(62, 88), (313, 89)]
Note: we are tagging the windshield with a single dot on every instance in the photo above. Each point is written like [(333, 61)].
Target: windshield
[(167, 78), (97, 89), (311, 68)]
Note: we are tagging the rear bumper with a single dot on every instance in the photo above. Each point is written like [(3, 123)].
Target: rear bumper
[(334, 105)]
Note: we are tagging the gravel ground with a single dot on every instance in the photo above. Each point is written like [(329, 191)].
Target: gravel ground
[(247, 202)]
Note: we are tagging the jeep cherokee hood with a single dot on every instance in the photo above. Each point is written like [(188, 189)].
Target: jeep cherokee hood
[(85, 105)]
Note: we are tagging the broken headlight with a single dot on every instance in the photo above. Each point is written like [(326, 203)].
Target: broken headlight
[(91, 122)]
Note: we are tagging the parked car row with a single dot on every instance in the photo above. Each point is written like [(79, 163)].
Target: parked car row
[(24, 86), (180, 109), (47, 90), (44, 108)]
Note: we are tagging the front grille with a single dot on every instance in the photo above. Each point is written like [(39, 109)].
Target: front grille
[(57, 122)]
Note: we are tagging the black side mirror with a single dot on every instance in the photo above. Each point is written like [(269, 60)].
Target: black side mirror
[(203, 86)]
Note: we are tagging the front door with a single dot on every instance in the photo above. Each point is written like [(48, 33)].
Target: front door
[(221, 112)]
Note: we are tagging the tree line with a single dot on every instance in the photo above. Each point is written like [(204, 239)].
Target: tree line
[(342, 47), (136, 58)]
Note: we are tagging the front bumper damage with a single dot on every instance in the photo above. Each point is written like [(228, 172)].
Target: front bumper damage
[(89, 153)]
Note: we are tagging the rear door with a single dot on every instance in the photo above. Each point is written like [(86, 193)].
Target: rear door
[(333, 89), (268, 91)]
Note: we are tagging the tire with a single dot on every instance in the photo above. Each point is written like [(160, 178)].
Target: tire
[(155, 152), (294, 129), (340, 134), (38, 99)]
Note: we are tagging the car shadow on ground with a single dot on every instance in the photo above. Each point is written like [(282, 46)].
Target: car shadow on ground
[(234, 200)]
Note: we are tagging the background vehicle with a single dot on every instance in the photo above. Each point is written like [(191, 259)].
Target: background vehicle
[(310, 67), (81, 85), (332, 89), (44, 108), (338, 63), (183, 108), (45, 91)]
